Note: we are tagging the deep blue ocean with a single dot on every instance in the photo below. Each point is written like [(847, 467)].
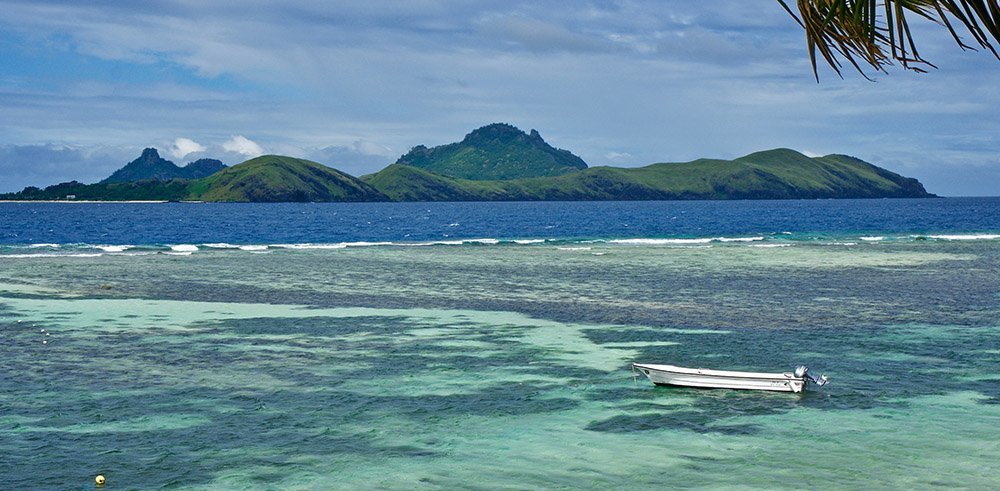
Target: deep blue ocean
[(330, 223), (489, 345)]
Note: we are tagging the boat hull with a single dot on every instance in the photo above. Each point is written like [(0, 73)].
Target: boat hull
[(720, 379)]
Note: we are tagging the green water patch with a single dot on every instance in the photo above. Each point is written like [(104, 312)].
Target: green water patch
[(142, 424), (870, 370), (29, 290), (888, 447), (214, 370), (498, 368), (728, 286)]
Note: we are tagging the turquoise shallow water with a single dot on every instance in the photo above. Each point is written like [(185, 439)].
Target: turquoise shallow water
[(501, 367)]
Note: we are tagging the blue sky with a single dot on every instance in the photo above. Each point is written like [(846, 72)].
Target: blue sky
[(84, 86)]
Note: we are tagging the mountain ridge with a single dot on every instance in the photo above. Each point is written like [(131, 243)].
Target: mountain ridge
[(498, 151), (779, 173), (150, 165), (772, 174)]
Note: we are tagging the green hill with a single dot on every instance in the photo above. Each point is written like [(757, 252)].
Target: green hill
[(269, 178), (773, 174), (405, 183), (145, 190), (273, 178), (495, 152)]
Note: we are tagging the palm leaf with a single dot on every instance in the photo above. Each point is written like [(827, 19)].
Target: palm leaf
[(876, 33)]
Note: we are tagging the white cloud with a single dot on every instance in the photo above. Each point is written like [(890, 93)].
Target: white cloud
[(184, 146), (357, 158), (619, 157), (243, 146), (365, 147)]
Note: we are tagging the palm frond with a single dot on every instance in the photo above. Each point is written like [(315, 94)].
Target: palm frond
[(877, 33)]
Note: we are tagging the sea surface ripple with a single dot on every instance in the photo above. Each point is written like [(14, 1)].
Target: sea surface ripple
[(430, 346)]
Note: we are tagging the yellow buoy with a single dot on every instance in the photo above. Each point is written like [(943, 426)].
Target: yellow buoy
[(99, 480)]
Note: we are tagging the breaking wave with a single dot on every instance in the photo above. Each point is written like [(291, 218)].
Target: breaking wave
[(963, 237), (684, 241), (774, 240)]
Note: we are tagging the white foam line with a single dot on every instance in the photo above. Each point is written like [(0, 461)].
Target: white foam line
[(113, 248), (703, 240), (659, 241), (221, 245), (426, 244), (447, 242), (366, 244), (339, 245), (966, 237), (27, 256), (873, 239), (740, 239), (309, 246), (184, 248), (224, 245)]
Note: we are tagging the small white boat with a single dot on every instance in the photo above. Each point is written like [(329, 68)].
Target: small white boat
[(722, 379)]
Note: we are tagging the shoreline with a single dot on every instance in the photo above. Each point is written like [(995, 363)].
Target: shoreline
[(89, 201), (490, 201)]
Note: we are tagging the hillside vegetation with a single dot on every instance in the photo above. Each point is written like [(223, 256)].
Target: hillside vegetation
[(274, 178), (773, 174), (150, 165), (496, 163), (270, 178), (498, 151)]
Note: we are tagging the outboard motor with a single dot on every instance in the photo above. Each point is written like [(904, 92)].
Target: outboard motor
[(802, 372)]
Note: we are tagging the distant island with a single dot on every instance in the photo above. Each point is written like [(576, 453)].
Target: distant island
[(150, 165), (497, 162)]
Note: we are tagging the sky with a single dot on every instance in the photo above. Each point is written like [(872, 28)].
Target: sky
[(85, 86)]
